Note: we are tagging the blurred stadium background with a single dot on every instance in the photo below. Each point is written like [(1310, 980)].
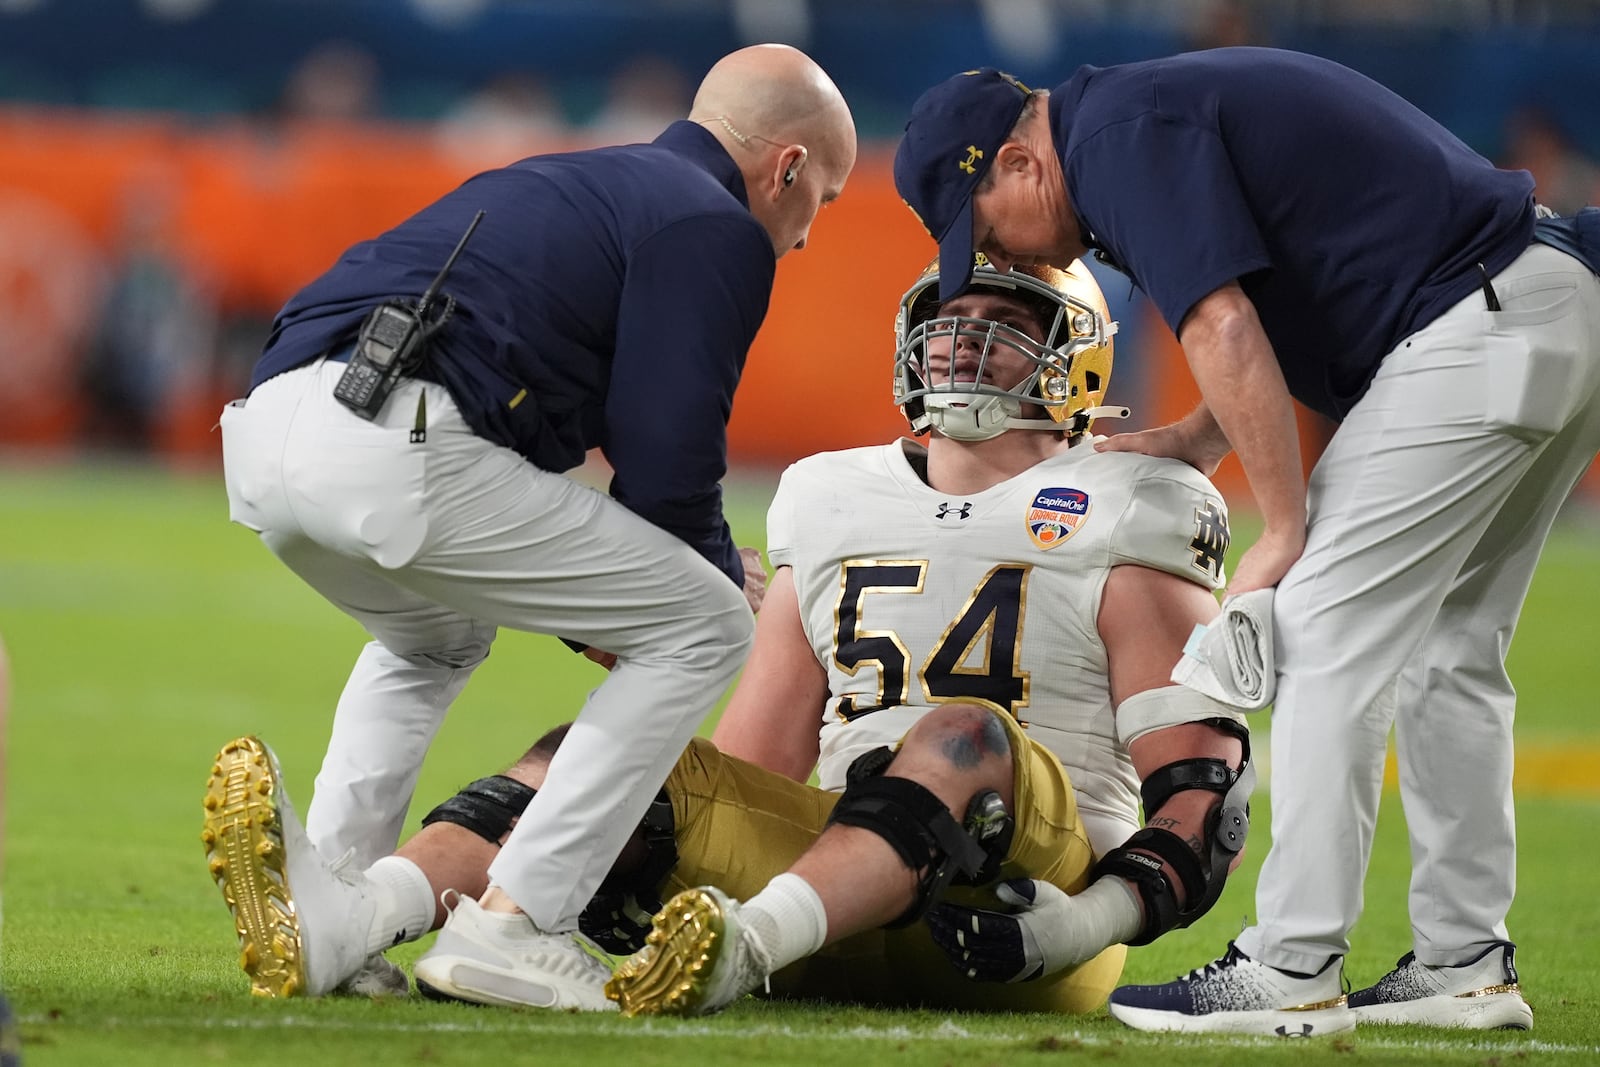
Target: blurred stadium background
[(171, 170)]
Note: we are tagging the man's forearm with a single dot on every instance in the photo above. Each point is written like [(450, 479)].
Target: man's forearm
[(1247, 400)]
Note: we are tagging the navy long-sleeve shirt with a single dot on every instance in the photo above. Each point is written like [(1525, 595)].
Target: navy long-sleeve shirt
[(608, 300), (1349, 218)]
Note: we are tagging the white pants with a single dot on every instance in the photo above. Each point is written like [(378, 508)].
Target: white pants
[(1427, 514), (432, 545)]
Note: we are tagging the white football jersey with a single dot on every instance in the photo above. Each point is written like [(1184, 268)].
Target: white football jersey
[(913, 597)]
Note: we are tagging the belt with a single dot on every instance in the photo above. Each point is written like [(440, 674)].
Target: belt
[(1578, 236)]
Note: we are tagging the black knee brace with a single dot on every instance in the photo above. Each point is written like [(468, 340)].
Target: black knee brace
[(487, 807), (921, 830), (1225, 834)]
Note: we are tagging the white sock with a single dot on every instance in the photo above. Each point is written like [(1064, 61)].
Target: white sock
[(786, 920), (405, 903)]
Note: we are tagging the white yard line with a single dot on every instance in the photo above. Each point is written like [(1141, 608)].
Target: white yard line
[(559, 1025)]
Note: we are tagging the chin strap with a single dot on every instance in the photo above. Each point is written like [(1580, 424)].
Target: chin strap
[(1080, 421), (1107, 411)]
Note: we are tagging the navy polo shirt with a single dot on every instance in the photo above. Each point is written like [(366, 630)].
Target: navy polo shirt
[(1349, 218), (608, 300)]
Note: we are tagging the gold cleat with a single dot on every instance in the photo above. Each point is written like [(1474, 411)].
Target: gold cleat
[(243, 836), (673, 974)]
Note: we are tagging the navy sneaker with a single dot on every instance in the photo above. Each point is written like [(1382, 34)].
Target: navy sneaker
[(1238, 995)]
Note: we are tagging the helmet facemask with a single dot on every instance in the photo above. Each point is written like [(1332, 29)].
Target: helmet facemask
[(1065, 374)]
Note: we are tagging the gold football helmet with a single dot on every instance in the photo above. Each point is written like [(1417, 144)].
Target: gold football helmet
[(1071, 363)]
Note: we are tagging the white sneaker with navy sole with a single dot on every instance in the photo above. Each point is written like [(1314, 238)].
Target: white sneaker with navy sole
[(1238, 995), (1480, 994)]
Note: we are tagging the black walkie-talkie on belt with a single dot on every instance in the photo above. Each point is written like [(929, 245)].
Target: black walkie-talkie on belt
[(393, 342)]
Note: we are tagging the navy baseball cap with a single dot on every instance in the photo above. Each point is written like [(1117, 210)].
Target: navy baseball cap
[(952, 136)]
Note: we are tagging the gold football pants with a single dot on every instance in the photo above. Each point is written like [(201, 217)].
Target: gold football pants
[(738, 826)]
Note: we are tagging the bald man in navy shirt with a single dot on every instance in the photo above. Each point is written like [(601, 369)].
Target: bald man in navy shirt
[(606, 301), (1307, 233)]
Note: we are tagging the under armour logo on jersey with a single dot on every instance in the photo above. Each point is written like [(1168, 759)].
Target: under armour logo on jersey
[(1211, 539), (945, 511)]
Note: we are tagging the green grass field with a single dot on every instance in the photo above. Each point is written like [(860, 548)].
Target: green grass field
[(145, 631)]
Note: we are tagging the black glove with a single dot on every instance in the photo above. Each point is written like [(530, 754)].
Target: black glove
[(1045, 931), (988, 946)]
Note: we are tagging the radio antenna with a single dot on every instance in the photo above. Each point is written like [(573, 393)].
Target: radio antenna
[(433, 289)]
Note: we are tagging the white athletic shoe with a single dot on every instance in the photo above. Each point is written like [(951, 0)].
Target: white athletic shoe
[(1238, 995), (489, 957), (377, 979), (1481, 994), (302, 924), (698, 958)]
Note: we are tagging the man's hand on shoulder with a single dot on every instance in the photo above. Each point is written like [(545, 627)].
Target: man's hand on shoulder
[(1194, 440)]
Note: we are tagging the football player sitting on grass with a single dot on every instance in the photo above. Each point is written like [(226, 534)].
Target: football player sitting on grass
[(971, 643)]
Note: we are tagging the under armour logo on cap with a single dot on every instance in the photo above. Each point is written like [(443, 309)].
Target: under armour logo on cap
[(951, 139)]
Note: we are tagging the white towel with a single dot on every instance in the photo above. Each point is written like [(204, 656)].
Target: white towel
[(1231, 660)]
